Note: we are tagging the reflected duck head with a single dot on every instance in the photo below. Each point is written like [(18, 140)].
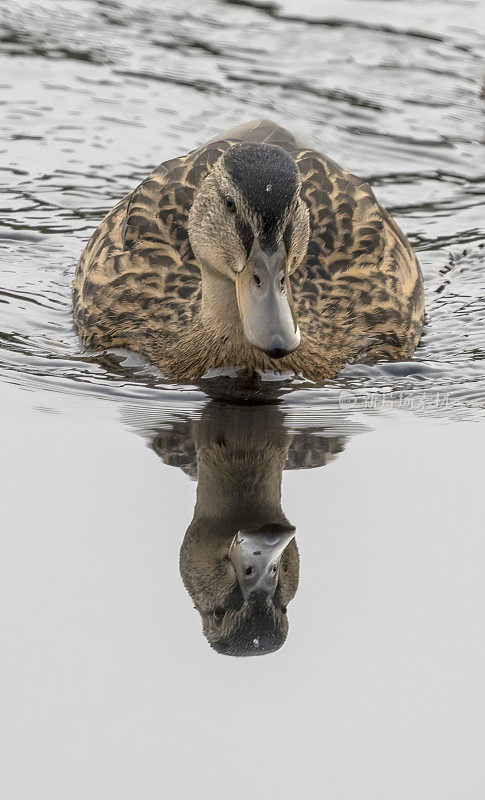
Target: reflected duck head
[(241, 585)]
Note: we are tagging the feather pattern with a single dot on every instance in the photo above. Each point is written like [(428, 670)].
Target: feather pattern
[(358, 293)]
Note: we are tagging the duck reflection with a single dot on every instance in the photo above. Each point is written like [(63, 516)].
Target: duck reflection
[(239, 559)]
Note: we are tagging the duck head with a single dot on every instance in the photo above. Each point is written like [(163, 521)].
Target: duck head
[(241, 584), (249, 229)]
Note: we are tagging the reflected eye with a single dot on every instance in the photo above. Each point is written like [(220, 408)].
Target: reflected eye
[(218, 615), (230, 203)]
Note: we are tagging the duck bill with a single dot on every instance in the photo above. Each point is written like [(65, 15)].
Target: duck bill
[(265, 303), (256, 558)]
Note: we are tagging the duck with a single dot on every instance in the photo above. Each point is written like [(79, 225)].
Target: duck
[(239, 559), (255, 252)]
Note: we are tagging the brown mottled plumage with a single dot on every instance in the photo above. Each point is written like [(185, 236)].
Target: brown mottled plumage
[(357, 287)]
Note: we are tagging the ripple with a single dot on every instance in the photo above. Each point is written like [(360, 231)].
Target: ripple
[(389, 90)]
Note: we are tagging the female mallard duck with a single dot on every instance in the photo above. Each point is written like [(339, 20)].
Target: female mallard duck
[(253, 251), (239, 559)]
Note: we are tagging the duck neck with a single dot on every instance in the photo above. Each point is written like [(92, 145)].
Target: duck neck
[(239, 486)]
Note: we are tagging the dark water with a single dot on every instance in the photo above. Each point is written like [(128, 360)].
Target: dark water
[(111, 690)]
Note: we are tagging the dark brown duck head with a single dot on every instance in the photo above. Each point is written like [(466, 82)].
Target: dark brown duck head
[(249, 229), (241, 584)]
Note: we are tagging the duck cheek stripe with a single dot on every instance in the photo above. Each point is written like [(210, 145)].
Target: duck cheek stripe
[(287, 237), (268, 240), (246, 235)]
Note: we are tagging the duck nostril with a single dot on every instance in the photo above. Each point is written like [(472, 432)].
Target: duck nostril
[(257, 280)]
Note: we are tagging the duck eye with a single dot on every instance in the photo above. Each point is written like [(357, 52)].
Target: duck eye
[(229, 201), (218, 615)]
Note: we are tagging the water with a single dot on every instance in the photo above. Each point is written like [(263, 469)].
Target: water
[(111, 689)]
